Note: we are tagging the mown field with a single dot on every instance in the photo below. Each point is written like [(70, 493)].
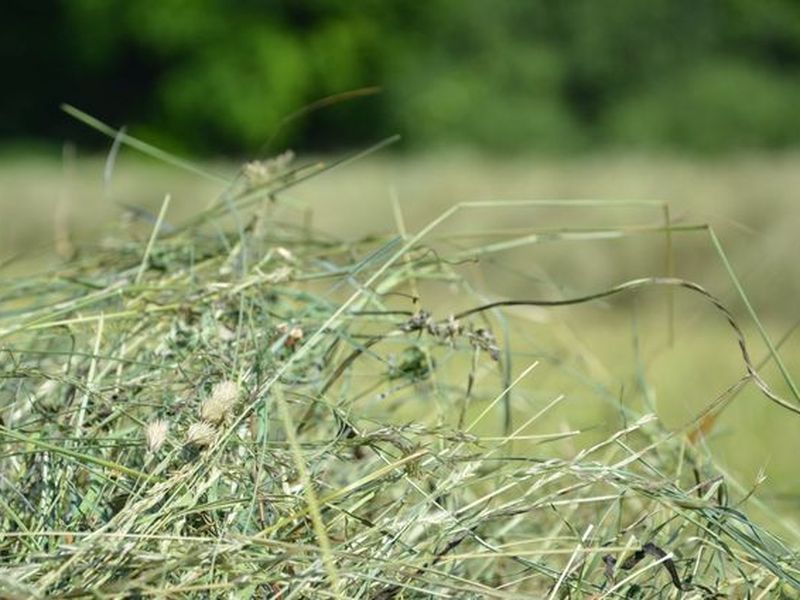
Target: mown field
[(661, 349)]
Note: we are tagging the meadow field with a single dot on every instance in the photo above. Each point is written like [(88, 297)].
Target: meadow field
[(538, 229)]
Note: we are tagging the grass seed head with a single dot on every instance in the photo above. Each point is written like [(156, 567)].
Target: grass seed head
[(155, 434), (260, 172), (218, 405), (200, 434)]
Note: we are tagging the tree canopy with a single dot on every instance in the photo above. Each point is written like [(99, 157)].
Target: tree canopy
[(216, 76)]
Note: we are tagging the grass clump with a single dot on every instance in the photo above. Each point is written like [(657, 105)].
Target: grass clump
[(239, 406)]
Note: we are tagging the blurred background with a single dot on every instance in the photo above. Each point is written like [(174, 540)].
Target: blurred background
[(219, 78), (690, 102)]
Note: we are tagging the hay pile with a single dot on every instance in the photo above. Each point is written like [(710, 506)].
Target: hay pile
[(241, 407)]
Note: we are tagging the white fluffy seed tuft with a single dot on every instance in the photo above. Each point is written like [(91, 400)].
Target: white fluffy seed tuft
[(218, 405), (200, 434), (155, 434)]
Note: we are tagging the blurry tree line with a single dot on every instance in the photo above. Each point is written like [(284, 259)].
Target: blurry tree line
[(211, 76)]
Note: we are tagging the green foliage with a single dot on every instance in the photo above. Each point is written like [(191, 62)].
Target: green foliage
[(504, 75), (737, 105)]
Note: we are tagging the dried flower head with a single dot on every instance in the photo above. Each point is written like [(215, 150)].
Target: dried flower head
[(485, 340), (451, 328), (294, 337), (255, 172), (200, 434), (218, 405), (155, 434), (420, 320), (259, 172)]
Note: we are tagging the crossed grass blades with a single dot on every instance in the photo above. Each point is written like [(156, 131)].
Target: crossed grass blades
[(263, 411)]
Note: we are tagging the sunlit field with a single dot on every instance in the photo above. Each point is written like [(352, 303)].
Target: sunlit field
[(529, 229)]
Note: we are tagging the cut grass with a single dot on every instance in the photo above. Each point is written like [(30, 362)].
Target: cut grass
[(375, 450)]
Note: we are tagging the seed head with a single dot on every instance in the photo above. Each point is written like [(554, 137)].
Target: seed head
[(259, 172), (155, 434), (452, 328), (285, 253), (200, 434), (256, 172), (279, 275), (218, 405), (293, 337), (485, 340)]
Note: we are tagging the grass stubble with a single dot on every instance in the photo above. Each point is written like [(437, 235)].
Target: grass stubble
[(239, 406)]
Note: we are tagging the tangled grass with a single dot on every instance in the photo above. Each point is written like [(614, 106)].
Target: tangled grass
[(261, 411)]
